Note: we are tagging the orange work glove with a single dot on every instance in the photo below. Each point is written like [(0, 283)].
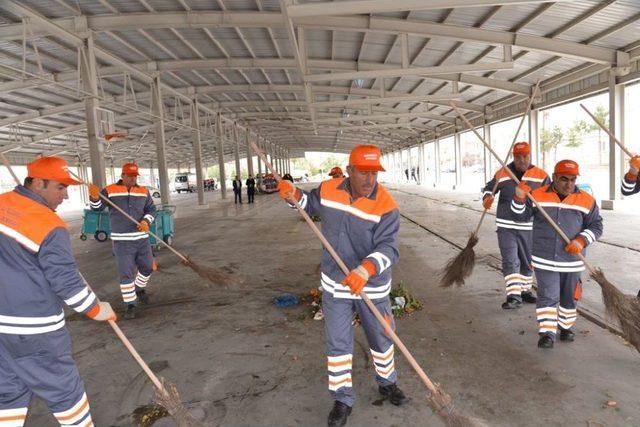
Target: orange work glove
[(576, 246), (634, 165), (487, 201), (143, 226), (359, 276), (286, 189), (102, 311), (522, 190), (94, 192)]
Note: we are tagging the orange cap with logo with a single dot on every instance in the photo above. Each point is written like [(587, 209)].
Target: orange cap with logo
[(336, 171), (51, 168), (130, 169), (366, 158), (567, 167), (521, 148)]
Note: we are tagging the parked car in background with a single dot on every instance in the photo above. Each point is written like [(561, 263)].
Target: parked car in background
[(155, 192), (185, 181)]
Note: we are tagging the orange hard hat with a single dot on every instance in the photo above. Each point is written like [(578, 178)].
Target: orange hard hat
[(567, 167), (51, 168), (130, 169), (336, 171), (521, 148), (366, 158)]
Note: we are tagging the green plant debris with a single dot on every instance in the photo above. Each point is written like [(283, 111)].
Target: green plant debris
[(403, 302)]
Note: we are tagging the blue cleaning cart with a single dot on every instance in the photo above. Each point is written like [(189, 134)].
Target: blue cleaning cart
[(97, 223), (163, 226)]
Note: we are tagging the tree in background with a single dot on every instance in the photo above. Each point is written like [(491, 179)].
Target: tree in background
[(549, 140), (576, 133), (602, 114)]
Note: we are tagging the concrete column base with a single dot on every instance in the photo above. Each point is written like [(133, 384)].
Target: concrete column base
[(607, 205)]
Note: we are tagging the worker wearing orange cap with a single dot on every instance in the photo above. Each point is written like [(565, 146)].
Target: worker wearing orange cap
[(556, 263), (39, 273), (631, 180), (360, 220), (336, 172), (514, 236), (130, 241)]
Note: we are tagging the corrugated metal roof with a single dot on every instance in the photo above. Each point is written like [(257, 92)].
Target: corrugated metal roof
[(191, 43)]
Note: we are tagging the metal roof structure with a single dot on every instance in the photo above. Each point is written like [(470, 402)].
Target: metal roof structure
[(305, 76)]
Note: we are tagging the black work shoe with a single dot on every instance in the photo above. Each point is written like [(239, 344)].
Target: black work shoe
[(142, 296), (638, 294), (511, 303), (394, 394), (567, 335), (545, 341), (338, 415), (131, 312), (529, 298)]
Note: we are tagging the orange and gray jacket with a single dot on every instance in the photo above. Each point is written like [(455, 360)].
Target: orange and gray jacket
[(577, 215), (366, 228), (630, 184), (39, 272), (534, 177), (135, 201)]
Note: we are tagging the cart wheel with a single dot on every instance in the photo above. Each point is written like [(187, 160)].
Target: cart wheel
[(168, 239), (101, 236), (83, 237)]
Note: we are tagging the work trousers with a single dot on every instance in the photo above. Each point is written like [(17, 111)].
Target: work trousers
[(338, 319), (41, 364), (515, 249), (237, 196), (250, 195), (556, 304), (135, 265)]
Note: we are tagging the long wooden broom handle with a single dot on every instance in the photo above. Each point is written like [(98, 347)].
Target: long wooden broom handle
[(113, 324), (535, 202), (116, 207), (515, 138), (412, 361), (606, 129)]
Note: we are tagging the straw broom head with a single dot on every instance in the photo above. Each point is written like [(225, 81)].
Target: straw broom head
[(215, 276), (442, 405), (168, 398), (624, 308), (461, 266)]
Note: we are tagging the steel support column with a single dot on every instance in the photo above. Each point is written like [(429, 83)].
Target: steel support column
[(458, 159), (89, 73), (488, 170), (616, 125), (247, 136), (197, 149), (158, 111), (220, 150), (236, 141)]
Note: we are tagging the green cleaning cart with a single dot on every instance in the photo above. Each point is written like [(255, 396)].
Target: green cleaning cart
[(163, 226), (97, 223)]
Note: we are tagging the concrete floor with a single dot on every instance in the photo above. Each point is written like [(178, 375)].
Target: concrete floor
[(238, 360)]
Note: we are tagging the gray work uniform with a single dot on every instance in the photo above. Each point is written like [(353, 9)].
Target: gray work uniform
[(39, 274), (514, 235), (366, 228), (557, 271), (130, 246)]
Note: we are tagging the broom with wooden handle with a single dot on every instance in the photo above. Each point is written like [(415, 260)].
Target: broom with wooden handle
[(213, 275), (439, 401), (625, 308), (606, 129), (170, 398), (461, 266)]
